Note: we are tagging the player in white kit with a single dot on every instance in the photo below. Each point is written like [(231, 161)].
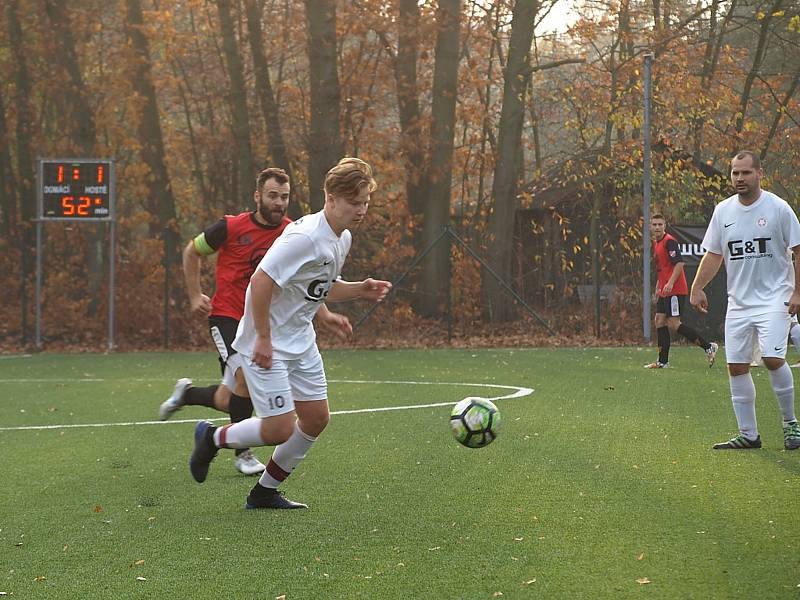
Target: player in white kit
[(280, 359), (751, 231)]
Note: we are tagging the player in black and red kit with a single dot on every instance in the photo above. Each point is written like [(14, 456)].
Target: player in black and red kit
[(671, 292), (240, 243)]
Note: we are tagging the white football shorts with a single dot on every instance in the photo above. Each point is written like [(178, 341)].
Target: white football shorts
[(232, 364), (770, 329), (274, 391)]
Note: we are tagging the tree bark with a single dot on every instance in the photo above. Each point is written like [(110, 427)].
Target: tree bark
[(197, 170), (436, 266), (238, 99), (405, 74), (496, 305), (161, 201), (708, 69), (266, 97), (761, 49), (8, 189), (779, 114), (324, 144), (486, 100), (25, 165), (85, 133), (82, 117)]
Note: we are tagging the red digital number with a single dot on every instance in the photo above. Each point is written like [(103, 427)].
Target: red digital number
[(60, 173), (100, 174), (83, 206), (68, 205)]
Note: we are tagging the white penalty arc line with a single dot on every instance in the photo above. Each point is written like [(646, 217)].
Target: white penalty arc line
[(518, 392)]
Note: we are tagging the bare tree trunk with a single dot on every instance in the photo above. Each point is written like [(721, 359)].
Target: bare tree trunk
[(161, 201), (436, 266), (779, 113), (324, 144), (405, 74), (197, 171), (761, 49), (85, 136), (710, 61), (25, 165), (708, 69), (659, 25), (240, 118), (8, 190), (627, 53), (266, 97), (83, 118), (537, 145), (506, 174), (486, 99), (161, 198)]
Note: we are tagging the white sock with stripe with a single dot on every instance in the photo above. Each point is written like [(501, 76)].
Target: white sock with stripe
[(743, 397), (286, 457), (783, 386), (244, 434)]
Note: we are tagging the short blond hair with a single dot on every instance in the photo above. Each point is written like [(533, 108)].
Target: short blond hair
[(348, 178)]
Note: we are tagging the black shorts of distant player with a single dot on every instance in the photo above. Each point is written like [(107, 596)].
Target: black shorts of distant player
[(672, 306)]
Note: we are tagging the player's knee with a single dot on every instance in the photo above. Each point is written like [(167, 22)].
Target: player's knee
[(314, 424), (275, 432), (772, 362), (735, 369)]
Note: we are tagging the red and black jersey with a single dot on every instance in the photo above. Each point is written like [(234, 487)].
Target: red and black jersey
[(240, 242), (667, 255)]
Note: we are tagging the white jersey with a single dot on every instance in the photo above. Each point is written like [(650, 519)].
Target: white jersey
[(304, 262), (753, 241)]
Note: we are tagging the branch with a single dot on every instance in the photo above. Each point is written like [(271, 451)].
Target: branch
[(554, 64)]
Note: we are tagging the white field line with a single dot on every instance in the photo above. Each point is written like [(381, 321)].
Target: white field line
[(517, 392)]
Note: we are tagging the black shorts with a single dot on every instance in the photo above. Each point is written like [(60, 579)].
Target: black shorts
[(672, 306), (223, 332)]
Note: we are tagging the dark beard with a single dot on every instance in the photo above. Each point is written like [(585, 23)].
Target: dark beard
[(269, 216)]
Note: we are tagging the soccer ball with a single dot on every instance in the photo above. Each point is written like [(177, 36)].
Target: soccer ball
[(475, 422)]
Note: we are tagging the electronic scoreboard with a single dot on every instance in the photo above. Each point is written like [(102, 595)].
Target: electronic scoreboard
[(76, 190)]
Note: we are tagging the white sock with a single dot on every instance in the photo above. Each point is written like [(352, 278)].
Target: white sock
[(286, 457), (244, 434), (794, 333), (783, 386), (743, 397)]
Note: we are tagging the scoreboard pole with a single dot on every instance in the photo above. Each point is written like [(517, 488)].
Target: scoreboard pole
[(76, 189), (38, 297), (112, 255)]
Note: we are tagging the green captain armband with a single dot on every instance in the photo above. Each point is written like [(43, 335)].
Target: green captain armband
[(201, 245)]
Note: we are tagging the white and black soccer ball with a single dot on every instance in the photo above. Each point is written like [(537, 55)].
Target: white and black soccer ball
[(475, 422)]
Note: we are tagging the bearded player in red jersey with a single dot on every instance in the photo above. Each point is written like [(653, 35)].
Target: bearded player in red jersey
[(671, 292), (240, 243)]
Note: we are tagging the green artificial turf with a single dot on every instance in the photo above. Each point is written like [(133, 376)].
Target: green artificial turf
[(602, 484)]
